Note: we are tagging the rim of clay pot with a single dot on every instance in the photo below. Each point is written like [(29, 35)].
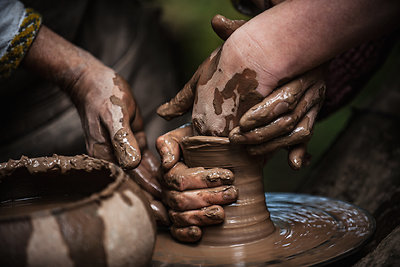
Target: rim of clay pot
[(63, 166), (201, 139)]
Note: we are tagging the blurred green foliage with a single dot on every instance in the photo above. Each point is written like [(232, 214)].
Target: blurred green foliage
[(189, 23)]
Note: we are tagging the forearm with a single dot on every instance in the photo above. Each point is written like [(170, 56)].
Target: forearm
[(56, 59), (298, 35)]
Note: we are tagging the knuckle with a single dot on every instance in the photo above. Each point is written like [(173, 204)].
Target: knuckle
[(160, 141), (175, 200), (303, 134), (289, 123)]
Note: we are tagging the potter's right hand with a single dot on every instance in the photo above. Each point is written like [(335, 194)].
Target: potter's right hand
[(110, 116), (193, 194), (103, 98)]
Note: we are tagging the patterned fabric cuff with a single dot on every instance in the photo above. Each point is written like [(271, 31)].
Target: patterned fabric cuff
[(20, 44)]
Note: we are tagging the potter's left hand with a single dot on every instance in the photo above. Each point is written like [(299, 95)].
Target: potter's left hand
[(193, 194), (284, 119), (227, 85)]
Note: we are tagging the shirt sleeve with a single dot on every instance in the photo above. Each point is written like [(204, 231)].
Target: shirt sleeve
[(18, 28)]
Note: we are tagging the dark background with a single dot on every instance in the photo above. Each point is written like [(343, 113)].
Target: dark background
[(188, 23)]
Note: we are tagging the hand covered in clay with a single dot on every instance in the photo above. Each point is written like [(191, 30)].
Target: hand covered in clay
[(231, 84), (110, 117), (283, 119), (195, 195)]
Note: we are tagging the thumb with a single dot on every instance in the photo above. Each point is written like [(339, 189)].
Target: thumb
[(182, 101), (126, 148), (224, 27)]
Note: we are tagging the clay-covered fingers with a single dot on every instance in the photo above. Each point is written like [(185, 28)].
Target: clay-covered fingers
[(168, 145), (301, 134), (282, 100), (224, 27), (181, 178), (200, 198), (148, 173), (284, 124), (206, 216), (182, 101), (160, 213), (158, 210), (298, 156), (188, 234), (146, 180), (105, 142)]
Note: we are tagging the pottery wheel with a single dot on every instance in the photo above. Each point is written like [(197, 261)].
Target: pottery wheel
[(310, 230)]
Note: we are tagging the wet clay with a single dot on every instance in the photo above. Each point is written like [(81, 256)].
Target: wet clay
[(300, 230), (241, 91), (72, 211), (185, 98), (248, 219)]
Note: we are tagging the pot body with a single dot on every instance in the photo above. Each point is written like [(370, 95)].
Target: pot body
[(72, 211), (246, 220)]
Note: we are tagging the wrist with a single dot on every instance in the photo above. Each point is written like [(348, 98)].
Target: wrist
[(249, 53), (58, 60)]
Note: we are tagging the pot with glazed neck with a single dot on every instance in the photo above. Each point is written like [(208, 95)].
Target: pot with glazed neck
[(72, 211)]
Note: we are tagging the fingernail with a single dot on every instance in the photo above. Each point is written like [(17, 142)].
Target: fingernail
[(167, 158), (296, 163), (215, 213), (281, 108), (237, 138), (230, 193), (194, 233), (227, 177), (128, 156)]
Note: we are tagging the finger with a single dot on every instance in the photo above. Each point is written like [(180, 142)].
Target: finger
[(224, 27), (120, 110), (168, 145), (182, 101), (206, 216), (296, 155), (160, 213), (302, 133), (126, 148), (280, 101), (97, 140), (152, 164), (282, 125), (189, 234), (144, 178), (196, 199), (180, 177)]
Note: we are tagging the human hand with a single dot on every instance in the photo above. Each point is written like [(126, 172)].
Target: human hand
[(110, 118), (284, 119), (193, 194), (213, 89), (290, 109), (114, 130)]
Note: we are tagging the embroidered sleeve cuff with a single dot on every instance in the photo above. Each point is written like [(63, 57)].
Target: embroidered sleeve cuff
[(21, 42)]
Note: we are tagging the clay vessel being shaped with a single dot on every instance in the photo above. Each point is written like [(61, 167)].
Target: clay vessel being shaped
[(246, 220), (72, 211)]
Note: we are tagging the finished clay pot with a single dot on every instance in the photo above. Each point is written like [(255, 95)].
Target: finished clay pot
[(72, 211)]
